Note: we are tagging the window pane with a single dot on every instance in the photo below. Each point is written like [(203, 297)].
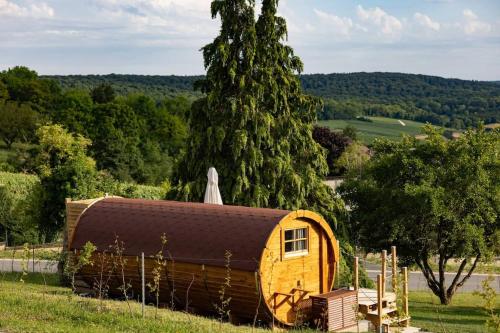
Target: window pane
[(288, 234), (301, 233), (301, 245), (289, 247)]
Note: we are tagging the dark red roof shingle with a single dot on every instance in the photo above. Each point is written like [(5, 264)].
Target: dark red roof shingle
[(196, 232)]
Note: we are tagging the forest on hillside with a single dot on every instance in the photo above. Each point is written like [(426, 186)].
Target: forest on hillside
[(135, 137), (445, 102)]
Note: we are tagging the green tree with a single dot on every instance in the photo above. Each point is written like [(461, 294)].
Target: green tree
[(255, 124), (116, 136), (103, 93), (65, 171), (74, 111), (353, 158), (4, 92), (351, 132), (24, 86), (433, 199), (335, 144), (17, 122)]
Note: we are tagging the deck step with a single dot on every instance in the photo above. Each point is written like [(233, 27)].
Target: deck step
[(385, 311), (404, 330)]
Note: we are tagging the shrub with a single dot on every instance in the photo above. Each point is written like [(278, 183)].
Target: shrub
[(20, 207)]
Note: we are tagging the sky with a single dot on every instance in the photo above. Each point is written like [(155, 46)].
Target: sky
[(449, 38)]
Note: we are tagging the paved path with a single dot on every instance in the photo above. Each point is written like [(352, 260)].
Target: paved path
[(16, 265), (417, 281)]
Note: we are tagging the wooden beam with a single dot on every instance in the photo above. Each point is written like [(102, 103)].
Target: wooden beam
[(356, 273), (405, 296), (394, 260), (324, 268), (379, 303), (384, 271)]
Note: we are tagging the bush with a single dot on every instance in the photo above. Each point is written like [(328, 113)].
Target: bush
[(21, 203), (128, 190), (20, 207)]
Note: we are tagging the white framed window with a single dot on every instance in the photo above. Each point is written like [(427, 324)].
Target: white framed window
[(296, 242)]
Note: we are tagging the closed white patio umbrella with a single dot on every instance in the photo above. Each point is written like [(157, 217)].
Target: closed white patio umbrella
[(212, 194)]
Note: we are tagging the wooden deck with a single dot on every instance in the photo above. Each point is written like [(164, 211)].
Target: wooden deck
[(368, 306)]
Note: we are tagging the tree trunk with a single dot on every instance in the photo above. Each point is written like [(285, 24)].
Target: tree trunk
[(438, 285)]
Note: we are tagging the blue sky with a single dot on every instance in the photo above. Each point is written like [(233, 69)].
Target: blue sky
[(450, 38)]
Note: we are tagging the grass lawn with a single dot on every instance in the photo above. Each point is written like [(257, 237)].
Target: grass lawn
[(380, 127), (464, 315), (34, 306)]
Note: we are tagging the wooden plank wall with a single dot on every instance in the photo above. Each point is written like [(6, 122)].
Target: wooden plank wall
[(73, 211), (189, 285)]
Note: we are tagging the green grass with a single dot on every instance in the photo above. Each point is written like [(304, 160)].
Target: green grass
[(41, 305), (463, 315), (380, 127), (34, 306)]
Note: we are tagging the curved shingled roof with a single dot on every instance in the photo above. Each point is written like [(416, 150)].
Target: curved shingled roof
[(196, 232)]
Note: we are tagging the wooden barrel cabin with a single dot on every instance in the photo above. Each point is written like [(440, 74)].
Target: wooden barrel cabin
[(278, 259)]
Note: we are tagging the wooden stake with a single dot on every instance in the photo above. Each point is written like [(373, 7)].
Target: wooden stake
[(384, 270), (405, 295), (379, 303), (356, 273), (394, 268), (143, 284), (33, 250)]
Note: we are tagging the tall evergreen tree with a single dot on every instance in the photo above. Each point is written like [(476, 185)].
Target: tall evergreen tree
[(255, 124)]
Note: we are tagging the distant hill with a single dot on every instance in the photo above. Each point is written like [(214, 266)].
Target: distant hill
[(446, 102), (157, 86)]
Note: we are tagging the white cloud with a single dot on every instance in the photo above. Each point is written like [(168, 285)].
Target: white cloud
[(473, 25), (41, 10), (388, 24), (160, 17), (340, 25), (426, 21)]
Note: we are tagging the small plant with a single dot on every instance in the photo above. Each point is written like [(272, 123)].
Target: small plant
[(159, 263), (273, 260), (25, 257), (74, 263), (489, 295), (121, 263), (101, 281), (171, 286), (259, 293), (223, 307)]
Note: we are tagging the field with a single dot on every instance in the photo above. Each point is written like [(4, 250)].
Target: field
[(38, 306), (380, 127)]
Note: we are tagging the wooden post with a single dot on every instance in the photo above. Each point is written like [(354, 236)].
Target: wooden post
[(338, 265), (384, 270), (33, 250), (356, 273), (394, 260), (405, 296), (379, 303), (66, 238), (143, 284)]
